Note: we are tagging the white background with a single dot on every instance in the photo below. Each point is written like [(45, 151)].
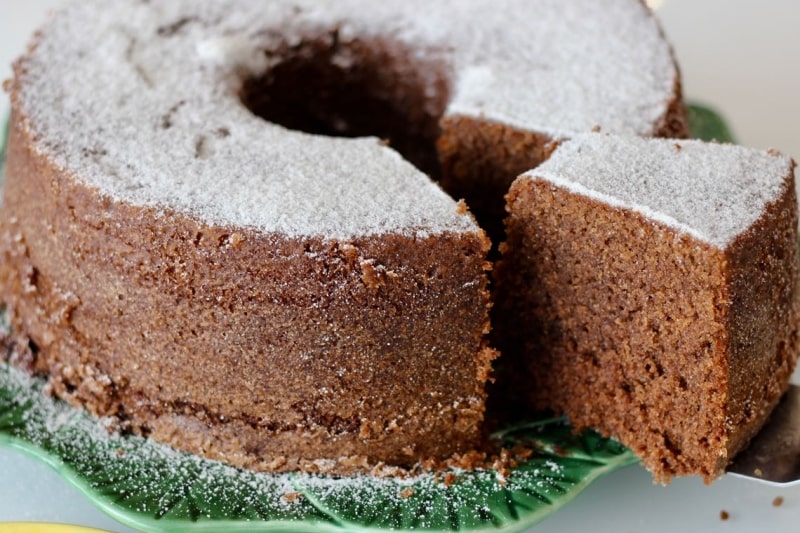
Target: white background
[(741, 56)]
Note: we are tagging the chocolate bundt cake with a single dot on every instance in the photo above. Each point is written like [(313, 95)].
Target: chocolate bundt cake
[(649, 289), (185, 245)]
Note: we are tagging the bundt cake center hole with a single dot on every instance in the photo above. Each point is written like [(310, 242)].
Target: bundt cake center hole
[(354, 89)]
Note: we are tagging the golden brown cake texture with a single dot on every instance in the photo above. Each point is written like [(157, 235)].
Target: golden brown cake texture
[(649, 288), (174, 256)]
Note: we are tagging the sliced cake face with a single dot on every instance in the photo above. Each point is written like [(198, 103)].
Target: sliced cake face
[(648, 287)]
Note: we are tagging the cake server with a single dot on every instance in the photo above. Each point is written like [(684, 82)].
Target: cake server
[(773, 456)]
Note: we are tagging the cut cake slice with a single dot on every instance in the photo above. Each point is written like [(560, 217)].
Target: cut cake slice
[(648, 288)]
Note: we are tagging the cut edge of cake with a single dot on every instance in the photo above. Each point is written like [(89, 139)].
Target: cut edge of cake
[(635, 322)]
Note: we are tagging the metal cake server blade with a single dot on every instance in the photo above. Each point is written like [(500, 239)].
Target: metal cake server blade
[(773, 456)]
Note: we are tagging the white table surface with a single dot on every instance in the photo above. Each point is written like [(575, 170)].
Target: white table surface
[(743, 57)]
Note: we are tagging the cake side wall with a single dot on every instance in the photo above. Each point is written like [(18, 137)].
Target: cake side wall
[(258, 350), (764, 320), (620, 324)]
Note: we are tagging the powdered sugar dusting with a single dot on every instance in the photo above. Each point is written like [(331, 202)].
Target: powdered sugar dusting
[(132, 98), (146, 483), (134, 467), (713, 192), (565, 67)]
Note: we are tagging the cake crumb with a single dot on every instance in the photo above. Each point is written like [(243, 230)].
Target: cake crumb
[(724, 515), (373, 276), (778, 501), (449, 479), (758, 473), (235, 240), (277, 463), (406, 493), (291, 497)]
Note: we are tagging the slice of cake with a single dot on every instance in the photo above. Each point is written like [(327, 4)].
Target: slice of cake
[(648, 288)]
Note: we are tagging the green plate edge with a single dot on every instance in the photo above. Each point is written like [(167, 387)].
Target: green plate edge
[(706, 123), (150, 487)]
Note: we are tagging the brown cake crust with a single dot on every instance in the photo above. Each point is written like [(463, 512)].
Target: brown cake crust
[(677, 348), (266, 352)]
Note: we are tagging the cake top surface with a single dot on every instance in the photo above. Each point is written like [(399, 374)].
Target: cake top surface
[(711, 191), (141, 100)]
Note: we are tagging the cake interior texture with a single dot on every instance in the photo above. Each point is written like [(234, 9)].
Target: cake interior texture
[(676, 346)]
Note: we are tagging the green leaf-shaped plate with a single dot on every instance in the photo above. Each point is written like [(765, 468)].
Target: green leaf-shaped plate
[(151, 487)]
